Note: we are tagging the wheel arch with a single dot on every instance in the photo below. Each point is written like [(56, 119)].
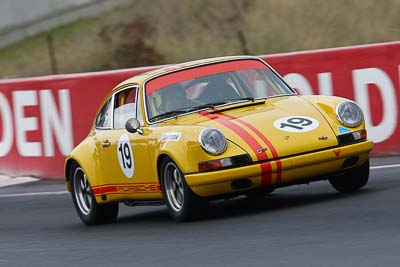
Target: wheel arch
[(160, 159), (70, 164)]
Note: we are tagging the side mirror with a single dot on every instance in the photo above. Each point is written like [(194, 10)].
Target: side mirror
[(133, 125)]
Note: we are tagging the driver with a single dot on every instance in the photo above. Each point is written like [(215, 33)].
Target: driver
[(173, 98)]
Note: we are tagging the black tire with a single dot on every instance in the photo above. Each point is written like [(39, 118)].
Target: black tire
[(183, 204), (89, 211), (352, 180)]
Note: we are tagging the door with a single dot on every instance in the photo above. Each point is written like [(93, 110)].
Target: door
[(124, 156)]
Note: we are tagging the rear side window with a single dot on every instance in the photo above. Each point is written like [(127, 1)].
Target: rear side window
[(103, 119)]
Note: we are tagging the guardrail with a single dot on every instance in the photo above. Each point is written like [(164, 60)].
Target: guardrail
[(20, 19), (43, 118)]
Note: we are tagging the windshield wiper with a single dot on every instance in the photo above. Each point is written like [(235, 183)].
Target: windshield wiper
[(171, 113), (212, 105), (252, 99)]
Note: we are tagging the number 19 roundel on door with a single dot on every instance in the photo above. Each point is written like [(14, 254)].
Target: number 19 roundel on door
[(125, 156)]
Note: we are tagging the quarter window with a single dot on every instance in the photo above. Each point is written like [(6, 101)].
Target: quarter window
[(103, 119)]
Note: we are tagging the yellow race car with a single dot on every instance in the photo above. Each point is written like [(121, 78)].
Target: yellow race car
[(190, 133)]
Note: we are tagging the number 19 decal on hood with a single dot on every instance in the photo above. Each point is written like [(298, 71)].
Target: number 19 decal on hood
[(125, 156), (296, 124)]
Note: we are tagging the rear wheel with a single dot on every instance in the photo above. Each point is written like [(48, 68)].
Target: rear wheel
[(182, 203), (352, 180), (89, 211)]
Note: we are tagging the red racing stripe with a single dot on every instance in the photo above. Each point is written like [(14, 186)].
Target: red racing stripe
[(265, 140), (266, 170)]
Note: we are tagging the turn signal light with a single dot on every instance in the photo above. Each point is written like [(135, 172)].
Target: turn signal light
[(360, 135), (215, 164)]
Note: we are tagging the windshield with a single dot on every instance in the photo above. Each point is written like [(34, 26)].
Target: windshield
[(211, 85)]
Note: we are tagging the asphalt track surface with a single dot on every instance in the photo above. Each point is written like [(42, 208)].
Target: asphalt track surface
[(308, 225)]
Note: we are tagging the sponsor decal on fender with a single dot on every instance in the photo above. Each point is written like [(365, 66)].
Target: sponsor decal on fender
[(343, 130), (171, 136)]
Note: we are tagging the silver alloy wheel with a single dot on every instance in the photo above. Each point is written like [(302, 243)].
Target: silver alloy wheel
[(83, 193), (173, 181)]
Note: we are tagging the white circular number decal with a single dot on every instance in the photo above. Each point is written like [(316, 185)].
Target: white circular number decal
[(296, 124), (125, 156)]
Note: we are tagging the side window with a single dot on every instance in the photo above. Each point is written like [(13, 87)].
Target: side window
[(103, 119), (124, 107)]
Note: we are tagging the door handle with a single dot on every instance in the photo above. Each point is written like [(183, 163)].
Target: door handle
[(105, 143)]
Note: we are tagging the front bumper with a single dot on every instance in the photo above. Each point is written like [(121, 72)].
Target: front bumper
[(303, 167)]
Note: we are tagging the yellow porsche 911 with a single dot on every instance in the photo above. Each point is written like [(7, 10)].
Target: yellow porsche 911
[(190, 133)]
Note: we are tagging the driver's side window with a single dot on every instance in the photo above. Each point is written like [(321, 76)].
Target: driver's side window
[(125, 102)]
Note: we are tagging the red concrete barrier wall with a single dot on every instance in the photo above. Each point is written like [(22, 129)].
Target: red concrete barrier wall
[(43, 118), (368, 74)]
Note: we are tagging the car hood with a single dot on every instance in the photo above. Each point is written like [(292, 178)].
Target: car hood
[(278, 127)]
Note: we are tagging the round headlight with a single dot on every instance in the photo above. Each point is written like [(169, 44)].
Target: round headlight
[(212, 141), (349, 114)]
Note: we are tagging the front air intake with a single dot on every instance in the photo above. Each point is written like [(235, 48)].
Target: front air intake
[(349, 162), (241, 184)]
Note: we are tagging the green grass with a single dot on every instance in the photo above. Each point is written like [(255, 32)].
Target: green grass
[(175, 31), (30, 56), (11, 53)]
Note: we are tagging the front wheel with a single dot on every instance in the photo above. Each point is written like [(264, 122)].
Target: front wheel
[(182, 203), (89, 211), (352, 180)]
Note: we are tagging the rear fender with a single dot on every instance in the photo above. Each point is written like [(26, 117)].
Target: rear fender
[(83, 157)]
